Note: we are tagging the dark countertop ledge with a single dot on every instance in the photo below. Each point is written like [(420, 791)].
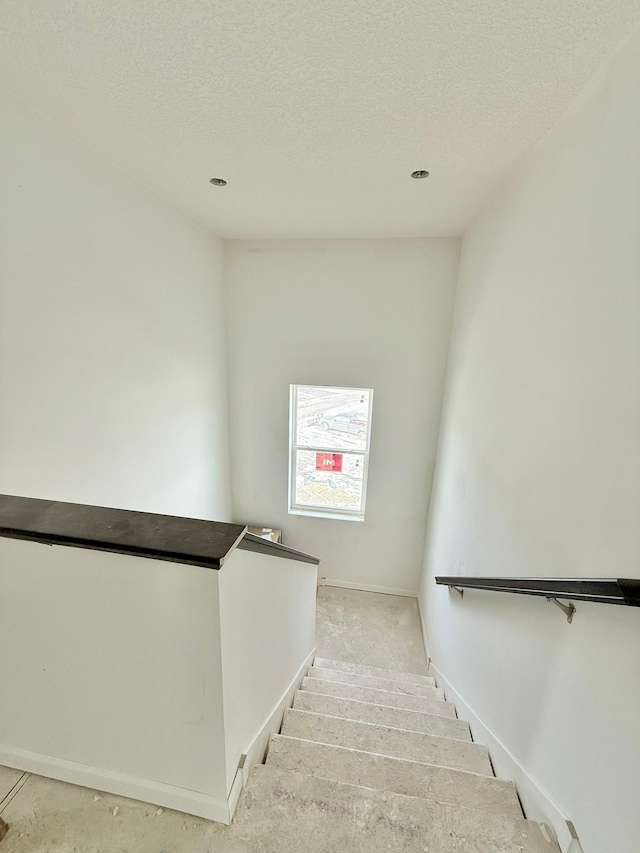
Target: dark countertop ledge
[(191, 541)]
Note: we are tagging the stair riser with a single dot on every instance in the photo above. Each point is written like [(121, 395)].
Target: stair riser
[(392, 774), (396, 743), (397, 718), (374, 671), (406, 688), (380, 697)]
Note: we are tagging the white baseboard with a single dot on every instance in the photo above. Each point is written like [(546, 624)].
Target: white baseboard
[(424, 632), (239, 781), (365, 587), (257, 749), (537, 804), (156, 793)]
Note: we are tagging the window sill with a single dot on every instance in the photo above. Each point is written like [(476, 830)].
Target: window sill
[(334, 516)]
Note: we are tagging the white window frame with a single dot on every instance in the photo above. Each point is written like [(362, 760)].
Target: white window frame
[(323, 511)]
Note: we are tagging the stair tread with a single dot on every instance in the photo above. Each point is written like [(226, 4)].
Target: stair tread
[(380, 697), (284, 811), (399, 775), (356, 679), (384, 740), (375, 671), (369, 712)]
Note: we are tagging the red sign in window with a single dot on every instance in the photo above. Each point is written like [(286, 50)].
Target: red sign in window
[(328, 461)]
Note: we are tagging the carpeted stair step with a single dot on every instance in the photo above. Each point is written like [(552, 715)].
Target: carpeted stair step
[(374, 671), (458, 787), (380, 697), (367, 712), (406, 687), (382, 740)]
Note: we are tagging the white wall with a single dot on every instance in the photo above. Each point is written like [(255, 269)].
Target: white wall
[(267, 632), (112, 340), (372, 314), (539, 466), (111, 674)]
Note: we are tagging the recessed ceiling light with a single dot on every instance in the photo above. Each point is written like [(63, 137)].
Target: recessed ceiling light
[(420, 173), (218, 182)]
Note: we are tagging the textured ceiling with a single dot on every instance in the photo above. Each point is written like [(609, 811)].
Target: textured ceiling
[(315, 111)]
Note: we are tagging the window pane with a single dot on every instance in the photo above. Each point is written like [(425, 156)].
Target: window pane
[(335, 418), (330, 480)]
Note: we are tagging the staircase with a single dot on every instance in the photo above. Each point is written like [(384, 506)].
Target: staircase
[(375, 760)]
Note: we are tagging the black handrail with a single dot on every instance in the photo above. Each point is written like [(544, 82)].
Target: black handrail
[(624, 591)]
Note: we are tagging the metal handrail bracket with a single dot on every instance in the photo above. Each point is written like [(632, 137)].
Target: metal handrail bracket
[(568, 609)]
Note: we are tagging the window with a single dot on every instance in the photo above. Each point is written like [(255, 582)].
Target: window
[(329, 451)]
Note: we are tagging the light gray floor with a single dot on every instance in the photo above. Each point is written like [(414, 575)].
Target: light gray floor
[(45, 816), (370, 628)]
